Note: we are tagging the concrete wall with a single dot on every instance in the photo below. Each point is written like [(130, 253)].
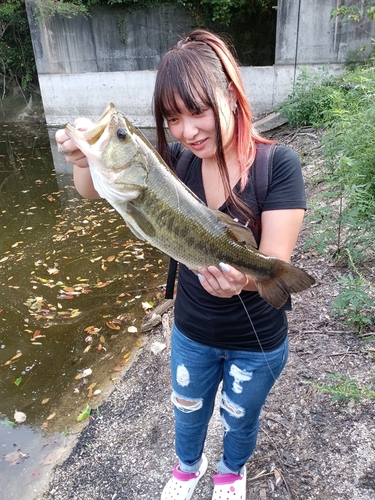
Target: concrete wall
[(83, 64), (305, 34)]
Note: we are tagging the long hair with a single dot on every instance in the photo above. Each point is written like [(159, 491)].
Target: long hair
[(196, 69)]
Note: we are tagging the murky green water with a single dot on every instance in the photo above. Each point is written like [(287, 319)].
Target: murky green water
[(74, 285)]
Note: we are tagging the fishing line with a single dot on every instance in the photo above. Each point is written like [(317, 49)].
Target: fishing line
[(253, 327)]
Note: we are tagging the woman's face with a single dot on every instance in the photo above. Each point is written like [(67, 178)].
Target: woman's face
[(197, 131)]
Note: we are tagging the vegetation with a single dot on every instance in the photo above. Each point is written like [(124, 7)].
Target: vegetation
[(17, 66), (344, 389)]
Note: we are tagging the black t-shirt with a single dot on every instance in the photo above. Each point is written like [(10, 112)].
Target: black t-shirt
[(249, 322)]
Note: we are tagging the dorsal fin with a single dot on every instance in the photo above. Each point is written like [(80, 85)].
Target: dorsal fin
[(238, 232)]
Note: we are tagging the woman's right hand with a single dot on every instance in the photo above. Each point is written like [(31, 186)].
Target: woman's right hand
[(67, 147), (81, 172)]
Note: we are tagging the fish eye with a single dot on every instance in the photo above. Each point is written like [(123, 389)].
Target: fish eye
[(121, 134)]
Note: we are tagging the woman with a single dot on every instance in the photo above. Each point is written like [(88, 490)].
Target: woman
[(224, 331)]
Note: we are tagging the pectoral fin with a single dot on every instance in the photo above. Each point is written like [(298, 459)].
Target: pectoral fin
[(237, 231), (140, 220)]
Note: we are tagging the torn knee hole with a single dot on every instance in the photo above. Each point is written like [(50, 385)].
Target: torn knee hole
[(186, 405), (183, 402)]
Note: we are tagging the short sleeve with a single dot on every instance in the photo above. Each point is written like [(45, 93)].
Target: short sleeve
[(286, 189)]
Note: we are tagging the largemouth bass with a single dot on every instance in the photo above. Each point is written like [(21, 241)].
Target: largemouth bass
[(157, 207)]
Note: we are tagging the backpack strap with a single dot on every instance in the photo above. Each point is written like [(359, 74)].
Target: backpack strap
[(182, 163), (262, 169)]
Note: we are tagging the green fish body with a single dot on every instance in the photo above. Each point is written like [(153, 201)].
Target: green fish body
[(159, 208)]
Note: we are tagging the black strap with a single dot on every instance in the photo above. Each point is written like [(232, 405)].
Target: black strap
[(183, 162), (262, 175)]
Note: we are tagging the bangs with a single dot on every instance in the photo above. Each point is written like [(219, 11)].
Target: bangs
[(183, 77)]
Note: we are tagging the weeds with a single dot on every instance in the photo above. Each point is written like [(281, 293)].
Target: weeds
[(355, 301), (344, 389)]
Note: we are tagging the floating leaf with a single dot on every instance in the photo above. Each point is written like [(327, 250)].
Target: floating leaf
[(112, 325), (8, 423), (45, 401), (13, 359), (50, 417), (18, 381), (132, 329), (83, 374), (87, 349), (111, 258), (84, 413)]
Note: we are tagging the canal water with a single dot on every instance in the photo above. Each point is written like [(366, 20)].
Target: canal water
[(75, 286)]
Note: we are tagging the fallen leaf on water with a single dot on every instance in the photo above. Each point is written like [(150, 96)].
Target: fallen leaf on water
[(87, 349), (132, 329), (111, 258), (50, 417), (18, 381), (8, 423), (102, 339), (13, 359), (90, 388), (96, 258), (45, 401), (83, 374), (112, 325)]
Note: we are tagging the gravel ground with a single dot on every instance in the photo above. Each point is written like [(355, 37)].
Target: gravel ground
[(308, 448)]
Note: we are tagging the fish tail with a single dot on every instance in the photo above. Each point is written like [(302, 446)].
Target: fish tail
[(286, 279)]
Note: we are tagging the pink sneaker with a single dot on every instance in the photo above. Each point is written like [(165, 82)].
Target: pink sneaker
[(182, 484), (230, 486)]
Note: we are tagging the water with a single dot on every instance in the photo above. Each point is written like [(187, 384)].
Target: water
[(74, 287)]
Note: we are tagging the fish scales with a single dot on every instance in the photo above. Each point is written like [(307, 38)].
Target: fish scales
[(201, 239), (159, 208)]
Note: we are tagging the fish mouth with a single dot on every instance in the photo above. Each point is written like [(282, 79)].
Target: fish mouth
[(93, 135)]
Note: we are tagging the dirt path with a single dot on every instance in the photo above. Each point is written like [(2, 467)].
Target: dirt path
[(308, 448)]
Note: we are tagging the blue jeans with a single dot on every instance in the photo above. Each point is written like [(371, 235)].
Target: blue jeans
[(247, 377)]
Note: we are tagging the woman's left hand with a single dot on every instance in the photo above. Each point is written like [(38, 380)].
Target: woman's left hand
[(224, 281)]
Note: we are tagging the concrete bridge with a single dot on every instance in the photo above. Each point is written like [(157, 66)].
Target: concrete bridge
[(83, 64)]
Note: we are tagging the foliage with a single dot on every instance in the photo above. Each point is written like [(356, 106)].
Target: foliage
[(354, 302), (313, 98), (344, 389), (203, 10), (345, 108), (17, 65), (356, 12)]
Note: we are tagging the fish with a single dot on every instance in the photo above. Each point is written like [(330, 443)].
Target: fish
[(157, 207)]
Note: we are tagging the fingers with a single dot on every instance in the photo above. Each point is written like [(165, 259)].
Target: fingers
[(67, 147), (224, 282)]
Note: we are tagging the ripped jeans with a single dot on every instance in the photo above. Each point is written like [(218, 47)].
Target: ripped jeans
[(247, 377)]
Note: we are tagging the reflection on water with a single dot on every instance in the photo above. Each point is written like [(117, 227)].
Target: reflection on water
[(74, 284)]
